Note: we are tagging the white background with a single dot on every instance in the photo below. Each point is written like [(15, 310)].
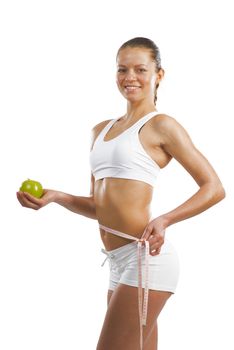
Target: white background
[(58, 81)]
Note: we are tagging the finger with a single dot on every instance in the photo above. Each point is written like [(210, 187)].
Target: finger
[(18, 194), (155, 252), (157, 240), (25, 202), (147, 233), (32, 199), (29, 205), (145, 239), (155, 246), (152, 252)]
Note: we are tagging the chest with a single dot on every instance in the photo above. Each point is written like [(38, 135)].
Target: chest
[(145, 137)]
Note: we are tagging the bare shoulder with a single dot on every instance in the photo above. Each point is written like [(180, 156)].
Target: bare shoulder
[(176, 141), (97, 129), (169, 129), (101, 125), (165, 123)]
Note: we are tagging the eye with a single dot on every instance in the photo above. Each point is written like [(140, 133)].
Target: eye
[(121, 70), (142, 70)]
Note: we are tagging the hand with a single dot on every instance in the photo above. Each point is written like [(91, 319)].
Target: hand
[(155, 233), (29, 201)]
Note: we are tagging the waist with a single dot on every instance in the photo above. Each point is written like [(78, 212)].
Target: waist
[(124, 205), (133, 225)]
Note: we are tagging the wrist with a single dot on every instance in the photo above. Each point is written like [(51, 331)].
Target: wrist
[(58, 197), (165, 220)]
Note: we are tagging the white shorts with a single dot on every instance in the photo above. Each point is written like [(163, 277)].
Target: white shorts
[(163, 268)]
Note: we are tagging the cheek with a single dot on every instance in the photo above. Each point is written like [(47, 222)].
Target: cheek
[(147, 79), (119, 86), (119, 80)]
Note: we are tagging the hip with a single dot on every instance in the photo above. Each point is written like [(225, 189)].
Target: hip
[(127, 254), (163, 269)]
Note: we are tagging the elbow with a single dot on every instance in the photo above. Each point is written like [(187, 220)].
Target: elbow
[(219, 192)]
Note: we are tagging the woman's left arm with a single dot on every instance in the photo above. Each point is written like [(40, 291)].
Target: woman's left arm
[(177, 143)]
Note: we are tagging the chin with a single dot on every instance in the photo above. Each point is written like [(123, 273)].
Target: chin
[(133, 99)]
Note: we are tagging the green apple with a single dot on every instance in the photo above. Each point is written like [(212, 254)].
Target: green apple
[(32, 187)]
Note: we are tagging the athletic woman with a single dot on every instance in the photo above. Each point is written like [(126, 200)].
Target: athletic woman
[(126, 156)]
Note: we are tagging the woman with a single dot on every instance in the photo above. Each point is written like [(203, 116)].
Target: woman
[(126, 155)]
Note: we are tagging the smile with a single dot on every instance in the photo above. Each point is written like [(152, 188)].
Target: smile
[(131, 87)]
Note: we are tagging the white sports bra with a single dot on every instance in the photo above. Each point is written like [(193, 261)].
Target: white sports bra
[(123, 156)]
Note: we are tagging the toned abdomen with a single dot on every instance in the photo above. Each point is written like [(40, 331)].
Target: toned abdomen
[(123, 205)]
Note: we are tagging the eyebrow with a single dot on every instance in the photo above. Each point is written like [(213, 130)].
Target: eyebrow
[(137, 65)]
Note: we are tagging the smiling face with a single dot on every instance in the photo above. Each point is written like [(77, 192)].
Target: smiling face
[(136, 75)]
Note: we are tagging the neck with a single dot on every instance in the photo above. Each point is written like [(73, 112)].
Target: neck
[(138, 109)]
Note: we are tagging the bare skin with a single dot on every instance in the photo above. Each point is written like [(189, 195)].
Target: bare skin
[(122, 319), (125, 205)]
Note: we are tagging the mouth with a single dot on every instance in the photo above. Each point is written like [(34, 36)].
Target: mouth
[(131, 87)]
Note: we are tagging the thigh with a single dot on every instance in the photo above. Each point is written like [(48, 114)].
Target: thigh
[(121, 328), (109, 294)]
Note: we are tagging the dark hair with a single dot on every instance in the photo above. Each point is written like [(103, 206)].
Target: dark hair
[(148, 44)]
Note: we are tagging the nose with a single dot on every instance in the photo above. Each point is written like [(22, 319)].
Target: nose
[(130, 76)]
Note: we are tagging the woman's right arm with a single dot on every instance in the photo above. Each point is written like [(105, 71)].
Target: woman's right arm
[(80, 205)]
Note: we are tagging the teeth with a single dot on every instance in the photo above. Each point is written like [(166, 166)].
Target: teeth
[(131, 87)]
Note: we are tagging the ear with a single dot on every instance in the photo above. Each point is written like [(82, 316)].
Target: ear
[(160, 75)]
